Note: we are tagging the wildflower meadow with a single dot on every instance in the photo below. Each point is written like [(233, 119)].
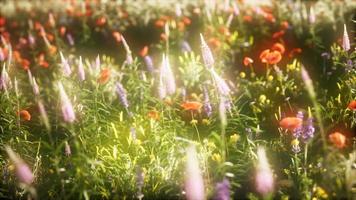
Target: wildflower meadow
[(177, 99)]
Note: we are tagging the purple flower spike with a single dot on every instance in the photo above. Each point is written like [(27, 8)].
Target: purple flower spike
[(65, 65), (81, 72), (194, 183), (67, 150), (308, 131), (221, 85), (121, 92), (207, 55), (207, 105), (345, 40), (264, 176), (222, 190), (70, 39), (23, 171), (66, 105), (186, 47), (149, 63)]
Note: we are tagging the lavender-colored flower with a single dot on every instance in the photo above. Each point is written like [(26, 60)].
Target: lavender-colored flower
[(207, 105), (308, 130), (185, 46), (264, 176), (149, 63), (31, 39), (66, 105), (23, 171), (162, 93), (121, 92), (35, 88), (222, 190), (70, 39), (194, 184), (67, 150), (43, 114), (235, 8), (65, 65), (345, 40), (129, 59), (81, 72), (221, 85), (184, 94), (207, 55), (4, 79), (167, 75)]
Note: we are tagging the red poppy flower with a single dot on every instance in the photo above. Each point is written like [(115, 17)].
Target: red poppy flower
[(284, 25), (247, 18), (352, 105), (214, 43), (294, 51), (100, 21), (186, 21), (291, 123), (191, 105), (338, 139), (25, 64), (25, 115), (62, 30), (270, 57), (160, 23), (144, 51), (278, 47), (278, 34), (248, 61), (104, 76)]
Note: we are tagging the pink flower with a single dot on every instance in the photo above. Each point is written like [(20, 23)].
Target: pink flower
[(81, 72), (264, 176), (23, 171), (66, 105), (194, 184), (345, 40), (65, 65)]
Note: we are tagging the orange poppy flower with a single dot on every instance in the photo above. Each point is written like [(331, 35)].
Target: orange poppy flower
[(153, 115), (191, 105), (62, 30), (25, 64), (338, 139), (247, 18), (352, 105), (247, 61), (25, 115), (278, 47), (294, 52), (284, 25), (104, 76), (214, 43), (270, 18), (144, 51), (41, 61), (278, 34), (2, 21), (160, 23), (291, 123), (186, 21), (270, 57), (181, 26), (117, 36), (100, 21)]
